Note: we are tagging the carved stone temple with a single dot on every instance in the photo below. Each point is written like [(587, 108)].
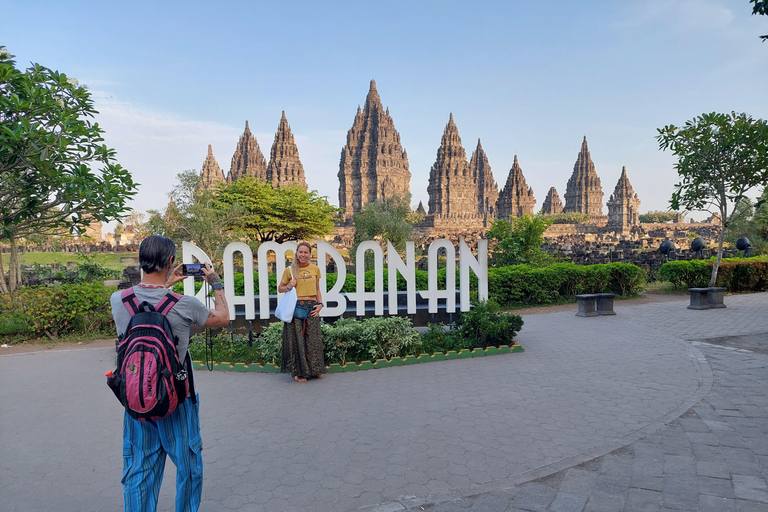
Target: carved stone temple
[(487, 190), (284, 164), (516, 198), (623, 206), (248, 159), (455, 197), (584, 194), (211, 174), (373, 163), (552, 203)]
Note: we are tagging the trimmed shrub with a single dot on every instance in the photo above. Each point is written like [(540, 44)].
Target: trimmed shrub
[(234, 349), (735, 274), (691, 274), (520, 285), (743, 275), (58, 310), (486, 326)]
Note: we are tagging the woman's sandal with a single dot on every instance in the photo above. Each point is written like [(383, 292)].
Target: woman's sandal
[(319, 376), (299, 379)]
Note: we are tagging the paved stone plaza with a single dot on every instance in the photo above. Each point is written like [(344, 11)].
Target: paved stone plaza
[(656, 408)]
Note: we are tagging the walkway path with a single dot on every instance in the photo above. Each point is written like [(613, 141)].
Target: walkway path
[(597, 412)]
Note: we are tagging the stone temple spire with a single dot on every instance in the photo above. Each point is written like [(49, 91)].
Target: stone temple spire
[(584, 194), (211, 174), (452, 190), (487, 190), (552, 203), (373, 163), (284, 165), (623, 206), (248, 159), (516, 199)]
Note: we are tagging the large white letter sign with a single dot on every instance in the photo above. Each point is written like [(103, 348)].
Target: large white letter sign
[(449, 294), (395, 265), (190, 253), (377, 295), (279, 250), (407, 269), (229, 279), (467, 262), (332, 295)]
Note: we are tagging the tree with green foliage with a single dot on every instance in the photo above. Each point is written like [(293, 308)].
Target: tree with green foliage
[(518, 241), (56, 175), (657, 217), (389, 219), (276, 214), (567, 217), (720, 157), (194, 215)]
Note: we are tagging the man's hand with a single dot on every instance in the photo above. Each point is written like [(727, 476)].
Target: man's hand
[(175, 277), (211, 277)]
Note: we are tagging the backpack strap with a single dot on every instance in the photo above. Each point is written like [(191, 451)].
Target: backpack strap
[(130, 301), (167, 303)]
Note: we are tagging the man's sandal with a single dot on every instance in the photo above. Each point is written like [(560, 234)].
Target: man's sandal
[(299, 379)]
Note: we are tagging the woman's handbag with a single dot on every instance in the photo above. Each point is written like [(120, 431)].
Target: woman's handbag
[(284, 310)]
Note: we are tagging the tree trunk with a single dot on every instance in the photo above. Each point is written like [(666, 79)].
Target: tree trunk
[(3, 286), (719, 258), (14, 279)]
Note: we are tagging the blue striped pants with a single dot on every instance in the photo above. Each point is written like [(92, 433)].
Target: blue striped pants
[(145, 445)]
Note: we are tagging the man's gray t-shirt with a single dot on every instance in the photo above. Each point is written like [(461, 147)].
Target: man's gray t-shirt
[(186, 312)]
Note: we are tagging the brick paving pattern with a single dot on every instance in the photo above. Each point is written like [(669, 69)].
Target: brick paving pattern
[(656, 408)]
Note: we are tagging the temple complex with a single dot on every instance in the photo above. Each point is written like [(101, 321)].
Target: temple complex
[(211, 174), (623, 206), (248, 159), (584, 194), (516, 198), (284, 165), (552, 203), (373, 163), (463, 196)]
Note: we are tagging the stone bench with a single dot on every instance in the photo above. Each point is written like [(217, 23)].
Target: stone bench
[(707, 298), (715, 296), (595, 304), (587, 304), (698, 298), (605, 304)]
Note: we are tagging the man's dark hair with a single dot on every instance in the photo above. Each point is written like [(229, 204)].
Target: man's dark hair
[(154, 253)]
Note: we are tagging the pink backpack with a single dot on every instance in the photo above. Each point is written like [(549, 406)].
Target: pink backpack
[(150, 380)]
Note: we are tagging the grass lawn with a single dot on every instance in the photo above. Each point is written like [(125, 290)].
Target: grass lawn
[(665, 288), (108, 260)]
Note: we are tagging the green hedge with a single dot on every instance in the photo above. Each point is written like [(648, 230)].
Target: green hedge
[(351, 340), (735, 274), (520, 285), (57, 310)]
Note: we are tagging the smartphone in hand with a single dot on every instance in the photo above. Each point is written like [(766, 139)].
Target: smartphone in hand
[(192, 269)]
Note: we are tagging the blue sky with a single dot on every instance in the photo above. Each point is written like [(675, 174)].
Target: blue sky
[(528, 78)]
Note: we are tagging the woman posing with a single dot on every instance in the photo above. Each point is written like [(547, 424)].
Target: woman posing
[(302, 351)]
